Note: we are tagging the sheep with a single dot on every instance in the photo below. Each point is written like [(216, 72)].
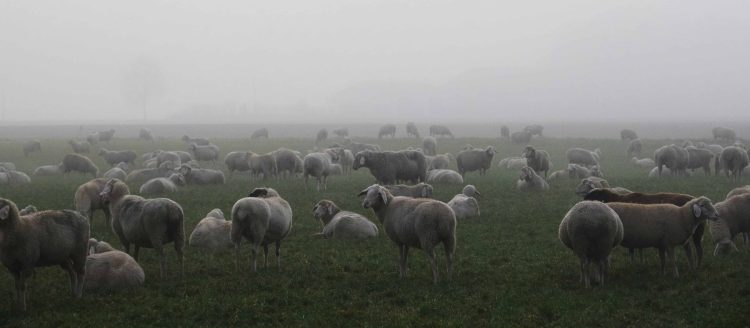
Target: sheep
[(115, 173), (236, 161), (288, 163), (212, 233), (732, 220), (539, 160), (439, 162), (390, 167), (663, 226), (628, 135), (520, 137), (738, 191), (341, 132), (47, 170), (673, 157), (724, 134), (264, 165), (208, 153), (534, 129), (79, 163), (635, 147), (110, 270), (504, 132), (168, 156), (475, 159), (699, 158), (590, 183), (512, 163), (12, 177), (145, 135), (387, 130), (440, 130), (444, 177), (163, 185), (643, 162), (338, 224), (263, 217), (530, 181), (93, 138), (465, 204), (8, 166), (345, 159), (356, 147), (420, 190), (582, 157), (80, 147), (335, 169), (318, 165), (321, 136), (197, 176), (591, 230), (148, 223), (31, 146), (260, 133), (198, 141), (87, 199), (106, 136), (414, 222), (112, 157), (163, 170), (411, 130), (184, 156), (28, 210), (429, 144), (733, 160)]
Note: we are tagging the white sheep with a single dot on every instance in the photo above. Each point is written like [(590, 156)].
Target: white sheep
[(212, 232), (420, 190), (530, 181), (512, 163), (643, 162), (733, 220), (591, 229), (444, 177), (465, 204), (110, 270), (338, 224), (48, 170), (163, 185)]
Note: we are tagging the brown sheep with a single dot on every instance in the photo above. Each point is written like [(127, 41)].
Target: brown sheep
[(87, 199)]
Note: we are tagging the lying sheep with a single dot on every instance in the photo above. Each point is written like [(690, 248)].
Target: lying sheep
[(112, 157), (263, 217), (414, 222), (589, 184), (28, 210), (537, 159), (733, 220), (111, 270), (582, 157), (318, 165), (260, 133), (475, 160), (99, 246), (31, 146), (440, 162), (440, 130), (390, 167), (262, 165), (465, 204), (733, 160), (197, 141), (212, 233), (14, 178), (115, 173), (591, 230), (420, 190), (635, 147), (88, 199), (163, 170), (48, 170), (148, 223), (662, 226), (411, 130), (288, 163), (357, 147), (444, 177), (79, 163), (429, 144), (80, 147), (627, 134), (387, 130), (574, 171), (145, 135), (530, 181), (42, 239), (512, 163), (197, 176), (646, 163), (160, 186), (236, 161), (207, 153), (338, 224)]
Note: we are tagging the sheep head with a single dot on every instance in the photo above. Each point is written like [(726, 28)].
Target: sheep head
[(360, 159), (529, 152), (8, 211), (471, 191), (426, 190), (704, 209), (263, 193), (113, 189), (374, 196), (324, 210)]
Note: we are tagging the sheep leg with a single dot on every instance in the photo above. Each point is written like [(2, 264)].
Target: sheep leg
[(237, 256), (430, 251), (662, 258), (136, 251), (585, 272), (670, 252), (403, 254), (68, 267), (20, 278), (631, 251), (278, 254), (162, 259), (689, 254), (265, 256), (325, 182), (107, 217), (178, 244), (254, 250)]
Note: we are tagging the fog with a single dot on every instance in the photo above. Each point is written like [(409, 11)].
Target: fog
[(373, 61)]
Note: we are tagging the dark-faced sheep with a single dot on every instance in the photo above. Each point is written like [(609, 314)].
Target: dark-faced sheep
[(537, 159), (79, 163), (475, 160), (387, 130), (390, 167)]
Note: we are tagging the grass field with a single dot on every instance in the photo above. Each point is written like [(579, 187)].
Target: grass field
[(510, 268)]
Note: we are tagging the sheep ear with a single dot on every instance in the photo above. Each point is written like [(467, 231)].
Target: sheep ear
[(258, 192), (696, 210), (330, 209), (4, 212), (361, 160), (383, 196), (424, 192), (362, 193)]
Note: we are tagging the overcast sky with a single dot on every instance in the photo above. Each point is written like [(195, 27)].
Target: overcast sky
[(467, 60)]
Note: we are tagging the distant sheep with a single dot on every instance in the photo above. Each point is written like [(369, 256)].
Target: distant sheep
[(420, 190), (341, 132), (387, 130), (236, 161), (646, 163), (699, 158), (534, 129), (260, 133), (627, 134), (112, 157), (80, 147), (161, 186), (512, 163), (262, 165), (288, 163), (673, 157), (411, 130), (318, 165), (208, 153), (504, 132), (321, 136), (195, 176), (635, 147), (106, 136), (429, 144), (520, 137), (48, 170), (31, 146), (197, 141), (733, 160), (440, 131), (78, 163), (724, 134), (530, 181), (442, 161), (475, 160), (537, 159), (390, 167), (145, 135), (582, 156)]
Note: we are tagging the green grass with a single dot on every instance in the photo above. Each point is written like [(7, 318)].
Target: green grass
[(510, 268)]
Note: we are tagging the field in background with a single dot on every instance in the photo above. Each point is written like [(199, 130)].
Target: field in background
[(510, 268)]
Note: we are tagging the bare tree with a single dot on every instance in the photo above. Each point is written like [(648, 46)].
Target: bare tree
[(142, 82)]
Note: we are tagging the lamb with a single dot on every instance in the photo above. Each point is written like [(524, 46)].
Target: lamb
[(88, 199), (733, 160), (725, 134), (106, 136), (512, 163), (321, 136), (539, 160), (112, 157), (411, 130), (627, 134), (79, 163), (429, 144), (387, 130), (465, 204), (643, 162), (208, 153), (185, 157), (475, 159), (582, 157), (111, 270), (338, 224), (520, 137), (732, 220), (115, 173), (575, 171), (260, 133), (346, 159), (318, 165), (212, 233), (264, 165), (505, 132), (389, 167), (145, 135), (663, 226), (341, 132), (48, 170), (414, 222), (41, 239), (444, 177), (591, 230), (530, 181), (197, 176), (80, 147), (420, 190), (440, 162), (288, 163), (163, 185), (31, 146), (263, 217), (335, 169), (197, 141), (148, 223), (634, 147), (440, 130)]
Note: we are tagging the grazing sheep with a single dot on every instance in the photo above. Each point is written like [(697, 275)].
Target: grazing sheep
[(106, 136), (646, 163), (88, 199), (387, 130), (520, 137), (530, 181), (440, 130), (504, 132), (539, 160), (699, 158), (11, 177), (288, 163), (112, 157), (475, 159), (341, 132), (582, 157), (99, 246), (591, 230), (212, 233), (263, 217), (79, 163), (420, 190), (627, 134), (163, 185), (145, 135), (93, 138), (260, 133), (733, 220), (197, 176), (465, 204), (28, 210), (42, 239), (725, 134), (111, 270), (411, 130), (512, 163), (338, 224), (429, 144), (208, 153), (264, 165), (733, 160), (635, 147), (47, 170), (663, 226), (184, 156), (321, 136), (115, 173), (197, 141), (414, 222), (356, 147), (236, 161), (673, 157), (318, 165), (439, 162), (8, 166), (534, 129), (444, 177), (389, 167), (147, 223), (168, 156), (31, 146), (163, 170), (80, 147)]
